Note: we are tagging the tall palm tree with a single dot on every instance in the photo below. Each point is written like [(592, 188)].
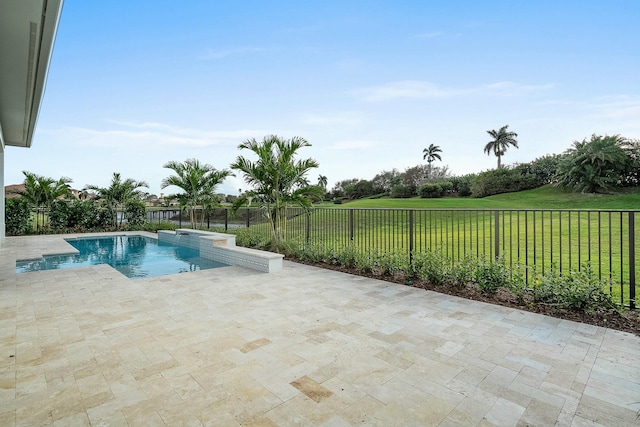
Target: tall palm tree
[(276, 179), (118, 194), (431, 154), (322, 181), (502, 139), (198, 182)]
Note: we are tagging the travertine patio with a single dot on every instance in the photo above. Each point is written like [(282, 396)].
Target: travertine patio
[(304, 346)]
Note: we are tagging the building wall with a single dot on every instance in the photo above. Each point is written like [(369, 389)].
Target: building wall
[(2, 222)]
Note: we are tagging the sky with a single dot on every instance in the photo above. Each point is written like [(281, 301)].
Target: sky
[(369, 84)]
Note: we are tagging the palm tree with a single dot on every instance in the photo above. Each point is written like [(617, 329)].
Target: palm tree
[(431, 155), (118, 194), (41, 191), (197, 181), (599, 164), (322, 181), (502, 139), (276, 179)]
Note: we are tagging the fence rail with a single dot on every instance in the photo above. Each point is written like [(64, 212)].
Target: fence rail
[(525, 239)]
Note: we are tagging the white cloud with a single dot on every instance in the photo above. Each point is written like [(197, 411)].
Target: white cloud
[(417, 89), (141, 134), (618, 108)]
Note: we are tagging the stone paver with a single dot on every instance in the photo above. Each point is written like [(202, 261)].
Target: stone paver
[(305, 346)]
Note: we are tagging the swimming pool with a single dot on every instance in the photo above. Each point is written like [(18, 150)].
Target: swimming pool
[(134, 256)]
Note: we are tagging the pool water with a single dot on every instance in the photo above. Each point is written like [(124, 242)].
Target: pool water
[(134, 256)]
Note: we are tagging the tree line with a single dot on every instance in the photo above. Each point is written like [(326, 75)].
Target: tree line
[(599, 164), (278, 178)]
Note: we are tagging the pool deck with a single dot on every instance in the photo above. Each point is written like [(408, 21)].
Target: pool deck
[(304, 346)]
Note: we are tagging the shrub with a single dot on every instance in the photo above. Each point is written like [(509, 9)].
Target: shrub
[(503, 180), (430, 266), (251, 237), (79, 215), (577, 290), (447, 187), (135, 213), (401, 191), (462, 184), (153, 227), (346, 256), (491, 275), (431, 191), (463, 271), (17, 216)]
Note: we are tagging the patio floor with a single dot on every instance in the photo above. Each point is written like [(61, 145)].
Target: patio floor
[(305, 346)]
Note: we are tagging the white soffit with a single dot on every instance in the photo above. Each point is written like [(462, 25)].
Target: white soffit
[(27, 33)]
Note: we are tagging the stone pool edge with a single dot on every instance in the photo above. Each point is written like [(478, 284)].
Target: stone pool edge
[(222, 247)]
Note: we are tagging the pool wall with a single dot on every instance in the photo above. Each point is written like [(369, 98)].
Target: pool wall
[(222, 247)]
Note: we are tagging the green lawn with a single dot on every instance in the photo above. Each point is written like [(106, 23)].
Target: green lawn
[(546, 236), (547, 197)]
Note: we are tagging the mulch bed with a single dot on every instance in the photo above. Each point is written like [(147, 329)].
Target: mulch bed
[(626, 321)]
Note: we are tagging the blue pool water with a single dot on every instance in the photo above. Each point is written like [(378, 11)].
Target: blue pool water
[(134, 256)]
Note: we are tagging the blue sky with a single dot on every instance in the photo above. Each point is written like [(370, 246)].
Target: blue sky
[(134, 84)]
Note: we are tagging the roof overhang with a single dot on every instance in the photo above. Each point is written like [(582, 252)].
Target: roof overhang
[(27, 33)]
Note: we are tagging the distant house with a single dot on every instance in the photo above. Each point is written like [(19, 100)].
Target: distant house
[(11, 191)]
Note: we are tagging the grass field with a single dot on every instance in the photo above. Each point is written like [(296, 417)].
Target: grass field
[(537, 229)]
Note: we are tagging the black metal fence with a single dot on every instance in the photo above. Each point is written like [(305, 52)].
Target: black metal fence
[(540, 239)]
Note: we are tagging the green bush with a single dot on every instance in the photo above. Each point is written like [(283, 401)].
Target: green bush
[(257, 238), (462, 184), (577, 290), (17, 216), (430, 266), (72, 214), (135, 213), (153, 227), (503, 180), (491, 275), (401, 191), (463, 271), (431, 190), (447, 187)]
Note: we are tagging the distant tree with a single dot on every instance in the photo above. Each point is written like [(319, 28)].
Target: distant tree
[(118, 194), (385, 180), (431, 154), (277, 179), (632, 147), (502, 139), (344, 187), (322, 181), (198, 181), (597, 165)]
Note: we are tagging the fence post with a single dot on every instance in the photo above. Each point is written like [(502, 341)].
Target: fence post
[(248, 212), (208, 220), (226, 219), (632, 261), (308, 229), (351, 225), (410, 236), (180, 218), (497, 234)]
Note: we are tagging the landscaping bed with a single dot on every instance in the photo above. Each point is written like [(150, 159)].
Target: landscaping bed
[(626, 320)]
